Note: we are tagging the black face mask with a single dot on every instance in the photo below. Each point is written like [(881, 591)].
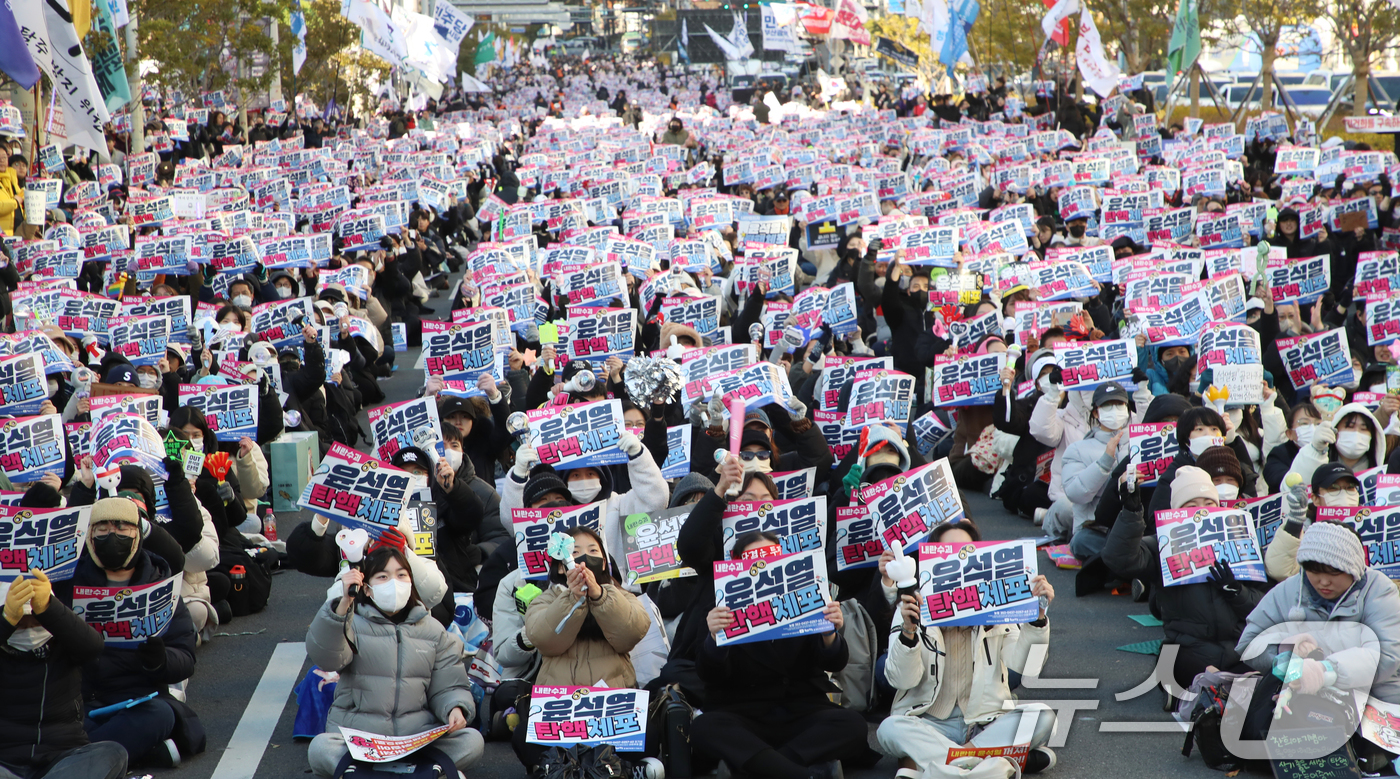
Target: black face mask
[(112, 550), (919, 297), (1077, 231), (559, 575), (290, 367), (1174, 364)]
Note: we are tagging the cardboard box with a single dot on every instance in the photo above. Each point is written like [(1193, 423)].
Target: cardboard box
[(295, 456)]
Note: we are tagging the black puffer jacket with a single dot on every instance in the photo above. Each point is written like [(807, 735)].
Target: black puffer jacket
[(459, 517), (43, 713), (118, 675)]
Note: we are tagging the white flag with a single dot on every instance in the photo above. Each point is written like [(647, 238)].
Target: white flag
[(1098, 72), (935, 22), (776, 36), (739, 37), (723, 44), (382, 36), (913, 9), (47, 29), (685, 34), (1062, 10)]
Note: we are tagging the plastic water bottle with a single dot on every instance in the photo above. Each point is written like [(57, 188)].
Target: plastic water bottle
[(270, 526)]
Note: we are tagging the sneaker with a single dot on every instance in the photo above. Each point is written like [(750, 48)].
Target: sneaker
[(1039, 759), (907, 773), (1139, 591), (1039, 516), (649, 768), (166, 754), (177, 691)]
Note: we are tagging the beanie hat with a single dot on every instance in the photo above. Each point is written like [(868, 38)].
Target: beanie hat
[(1221, 461), (1333, 544), (688, 486), (114, 510), (1191, 483), (543, 480)]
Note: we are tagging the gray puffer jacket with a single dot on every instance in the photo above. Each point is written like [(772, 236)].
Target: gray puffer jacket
[(1361, 635), (400, 680)]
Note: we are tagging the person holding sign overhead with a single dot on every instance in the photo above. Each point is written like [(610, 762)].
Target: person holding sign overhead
[(943, 690), (766, 711), (401, 673), (44, 648)]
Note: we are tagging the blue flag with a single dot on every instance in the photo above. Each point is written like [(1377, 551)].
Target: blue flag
[(14, 55), (961, 16)]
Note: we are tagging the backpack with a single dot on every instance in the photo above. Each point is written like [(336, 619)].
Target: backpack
[(668, 731), (581, 762), (1206, 710), (857, 679), (250, 579)]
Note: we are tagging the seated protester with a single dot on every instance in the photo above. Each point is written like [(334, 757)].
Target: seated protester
[(590, 485), (1353, 438), (1302, 421), (767, 712), (1355, 648), (1204, 618), (1088, 462), (42, 655), (701, 543), (1168, 369), (671, 596), (1196, 431), (1333, 484), (458, 516), (115, 557), (946, 697), (400, 671), (480, 439), (311, 549), (491, 532), (1021, 490), (1163, 408), (224, 502), (805, 445), (586, 645), (975, 426)]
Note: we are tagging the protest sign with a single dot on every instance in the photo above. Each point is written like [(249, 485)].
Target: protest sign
[(121, 438), (907, 506), (373, 748), (1090, 364), (1317, 358), (603, 333), (232, 412), (677, 463), (282, 322), (410, 423), (356, 490), (1153, 447), (1301, 280), (856, 543), (23, 386), (757, 385), (462, 351), (838, 371), (701, 313), (578, 435), (48, 540), (1192, 539), (1383, 319), (1227, 343), (129, 400), (128, 616), (794, 484), (592, 716), (140, 339), (773, 597), (929, 431), (176, 308), (878, 395), (532, 528), (799, 524), (967, 380), (649, 545), (977, 583), (699, 366), (33, 447), (1379, 528), (1179, 324), (599, 283)]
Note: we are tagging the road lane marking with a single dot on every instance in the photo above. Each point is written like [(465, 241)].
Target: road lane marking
[(249, 741)]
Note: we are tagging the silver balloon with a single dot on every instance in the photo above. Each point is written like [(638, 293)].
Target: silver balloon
[(651, 380)]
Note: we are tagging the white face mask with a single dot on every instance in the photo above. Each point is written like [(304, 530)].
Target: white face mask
[(147, 380), (30, 639), (284, 292), (1344, 499), (1236, 417), (1353, 444), (391, 596), (243, 301), (1045, 384), (1113, 417), (1200, 444), (1305, 434), (585, 490), (454, 458), (53, 387), (417, 481), (1227, 491), (761, 466), (233, 327)]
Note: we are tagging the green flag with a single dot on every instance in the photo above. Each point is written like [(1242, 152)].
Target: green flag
[(107, 65), (486, 49), (1185, 44)]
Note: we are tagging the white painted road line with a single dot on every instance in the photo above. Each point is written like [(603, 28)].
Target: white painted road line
[(245, 749)]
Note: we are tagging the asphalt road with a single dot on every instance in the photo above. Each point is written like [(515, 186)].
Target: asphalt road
[(1085, 635)]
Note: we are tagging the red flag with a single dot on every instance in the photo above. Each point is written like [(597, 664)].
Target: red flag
[(1061, 35)]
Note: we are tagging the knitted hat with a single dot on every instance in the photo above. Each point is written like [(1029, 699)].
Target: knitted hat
[(1221, 461), (1191, 483), (688, 486), (115, 510), (543, 481), (1335, 545)]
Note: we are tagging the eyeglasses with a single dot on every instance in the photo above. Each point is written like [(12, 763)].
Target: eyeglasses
[(1333, 492), (762, 454)]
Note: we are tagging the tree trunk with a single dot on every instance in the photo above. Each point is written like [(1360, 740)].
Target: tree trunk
[(1361, 72), (1195, 86), (1266, 72)]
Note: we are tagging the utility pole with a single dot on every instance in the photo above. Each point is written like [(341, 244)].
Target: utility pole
[(133, 76)]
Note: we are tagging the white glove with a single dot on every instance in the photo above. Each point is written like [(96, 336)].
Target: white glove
[(903, 571), (1324, 435), (525, 458), (796, 409), (627, 441), (675, 350), (1054, 393)]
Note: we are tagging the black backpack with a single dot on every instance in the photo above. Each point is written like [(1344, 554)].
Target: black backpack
[(250, 578), (1206, 715)]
